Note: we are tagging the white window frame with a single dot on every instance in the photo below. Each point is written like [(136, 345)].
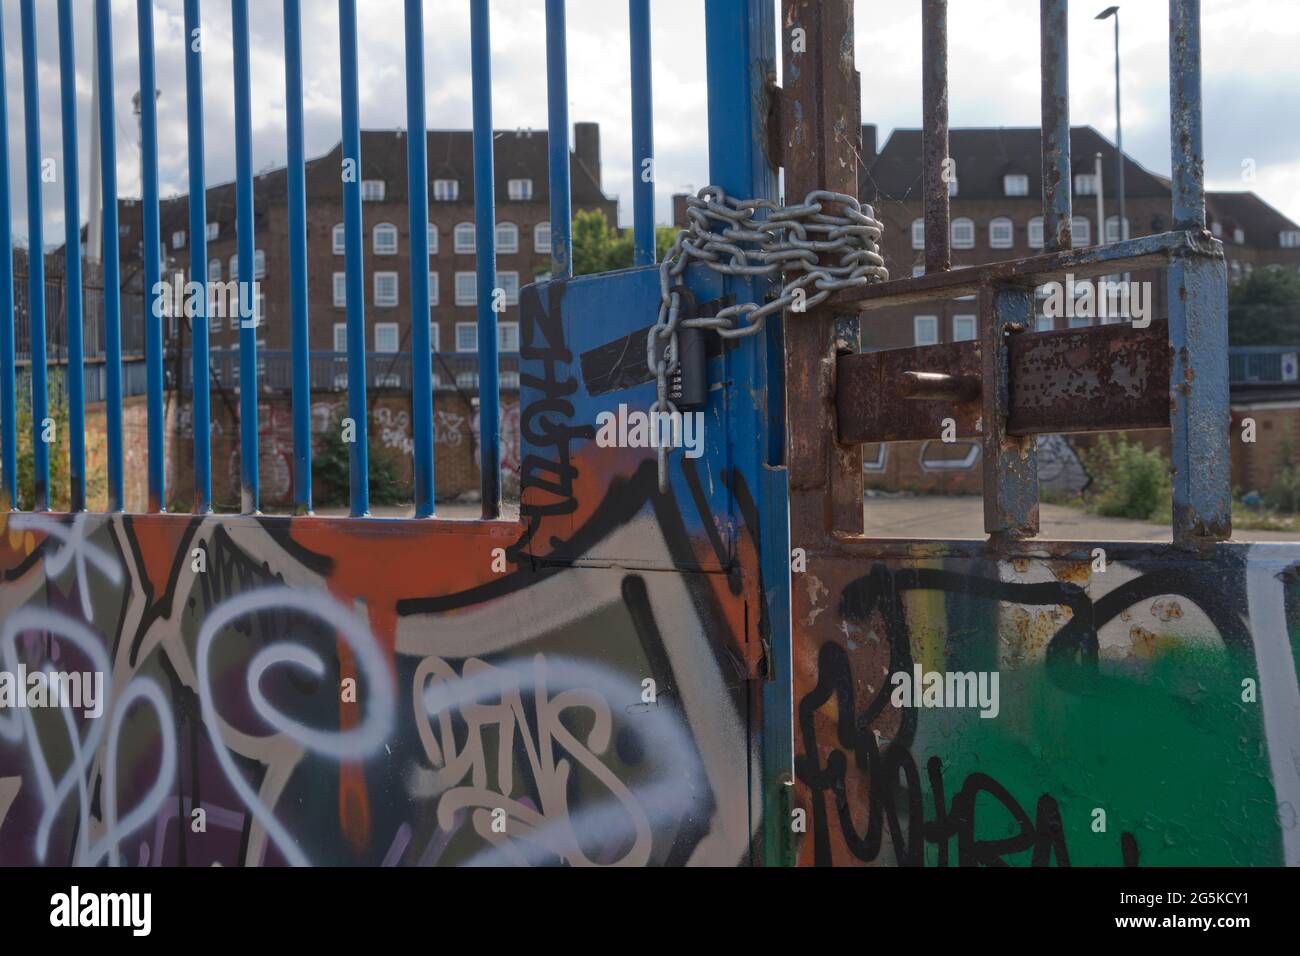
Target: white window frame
[(259, 263), (965, 320), (967, 241), (458, 238), (446, 190), (214, 275), (918, 233), (1080, 231), (928, 321), (1015, 184), (506, 331), (340, 290), (431, 236), (918, 271), (511, 289), (383, 246), (1289, 238), (466, 291), (1035, 233), (1113, 229), (340, 333), (1239, 236), (433, 289), (507, 237), (214, 230), (388, 327), (435, 333), (996, 226), (952, 188), (519, 190), (338, 239), (469, 329), (178, 239), (385, 302), (233, 267), (541, 245), (373, 190), (1085, 184)]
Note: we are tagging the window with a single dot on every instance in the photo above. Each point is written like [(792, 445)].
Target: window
[(1112, 229), (178, 239), (918, 271), (1001, 233), (1289, 239), (432, 236), (234, 267), (1235, 266), (520, 189), (509, 281), (542, 237), (259, 264), (385, 336), (433, 288), (509, 379), (1036, 233), (446, 190), (918, 233), (926, 329), (466, 337), (1238, 237), (340, 336), (340, 289), (339, 239), (383, 239), (372, 190), (386, 288), (467, 379), (214, 230), (1085, 184), (963, 233), (466, 288), (507, 237), (1081, 230), (214, 270), (433, 337), (508, 336), (1015, 184), (952, 187), (1216, 229), (963, 328), (463, 237)]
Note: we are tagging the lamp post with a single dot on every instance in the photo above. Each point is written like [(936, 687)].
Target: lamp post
[(1119, 129)]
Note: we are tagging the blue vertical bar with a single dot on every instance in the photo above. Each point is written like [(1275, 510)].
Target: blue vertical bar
[(557, 98), (359, 470), (297, 182), (1055, 100), (198, 259), (489, 415), (152, 255), (643, 146), (112, 267), (1199, 419), (245, 246), (8, 388), (35, 258), (417, 203), (740, 46), (75, 373)]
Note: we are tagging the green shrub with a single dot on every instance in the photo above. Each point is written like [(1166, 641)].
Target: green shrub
[(330, 468), (1128, 480)]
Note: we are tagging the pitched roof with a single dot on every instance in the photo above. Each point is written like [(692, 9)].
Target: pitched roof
[(985, 154), (1260, 222)]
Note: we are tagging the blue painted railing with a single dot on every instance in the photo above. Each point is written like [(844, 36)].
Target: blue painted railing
[(85, 380)]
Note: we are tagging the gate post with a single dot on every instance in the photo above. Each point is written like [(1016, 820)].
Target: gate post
[(741, 58)]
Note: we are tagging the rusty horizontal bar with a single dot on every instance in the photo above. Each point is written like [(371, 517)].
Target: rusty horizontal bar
[(1131, 255), (1103, 378), (939, 386)]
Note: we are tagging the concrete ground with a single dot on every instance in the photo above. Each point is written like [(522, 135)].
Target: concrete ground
[(926, 516)]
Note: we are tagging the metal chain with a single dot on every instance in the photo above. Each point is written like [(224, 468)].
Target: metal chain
[(759, 237)]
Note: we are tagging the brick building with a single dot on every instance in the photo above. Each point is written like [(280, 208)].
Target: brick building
[(523, 239)]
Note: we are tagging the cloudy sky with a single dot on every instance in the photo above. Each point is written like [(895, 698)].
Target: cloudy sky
[(1251, 82)]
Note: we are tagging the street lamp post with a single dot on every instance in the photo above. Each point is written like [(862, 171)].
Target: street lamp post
[(1119, 129)]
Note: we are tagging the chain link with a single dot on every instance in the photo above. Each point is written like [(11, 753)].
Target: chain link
[(759, 237)]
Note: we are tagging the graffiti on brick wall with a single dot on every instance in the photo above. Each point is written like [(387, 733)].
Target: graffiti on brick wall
[(1143, 714)]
